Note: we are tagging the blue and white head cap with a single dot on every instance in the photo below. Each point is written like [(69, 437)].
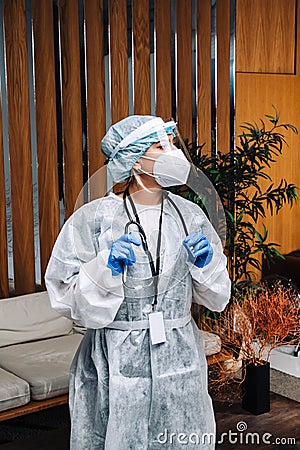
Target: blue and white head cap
[(127, 140)]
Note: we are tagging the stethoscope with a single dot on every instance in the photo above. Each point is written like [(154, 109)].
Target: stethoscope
[(155, 268)]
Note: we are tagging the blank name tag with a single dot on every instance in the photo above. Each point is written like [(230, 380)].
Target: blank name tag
[(157, 327)]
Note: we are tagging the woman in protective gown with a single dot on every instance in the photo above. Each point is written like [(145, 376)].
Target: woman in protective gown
[(139, 378)]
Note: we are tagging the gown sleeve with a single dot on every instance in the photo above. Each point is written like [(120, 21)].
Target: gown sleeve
[(79, 284), (211, 284)]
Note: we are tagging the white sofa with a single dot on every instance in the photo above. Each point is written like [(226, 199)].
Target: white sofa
[(36, 349)]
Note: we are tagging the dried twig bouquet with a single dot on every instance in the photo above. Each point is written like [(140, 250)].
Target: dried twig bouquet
[(263, 318)]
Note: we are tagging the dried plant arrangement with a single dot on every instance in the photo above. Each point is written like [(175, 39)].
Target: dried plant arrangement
[(255, 323), (266, 318)]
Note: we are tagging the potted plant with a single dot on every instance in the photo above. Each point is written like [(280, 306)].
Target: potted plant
[(236, 177), (256, 320), (262, 318)]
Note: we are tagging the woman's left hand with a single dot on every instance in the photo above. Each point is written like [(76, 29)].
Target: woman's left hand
[(200, 249)]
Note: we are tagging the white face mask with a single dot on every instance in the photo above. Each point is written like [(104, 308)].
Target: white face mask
[(170, 168)]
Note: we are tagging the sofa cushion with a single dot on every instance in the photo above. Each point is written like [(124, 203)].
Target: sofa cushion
[(211, 342), (29, 318), (44, 364), (13, 391)]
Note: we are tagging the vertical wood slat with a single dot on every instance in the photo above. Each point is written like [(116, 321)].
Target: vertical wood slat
[(163, 59), (4, 288), (19, 145), (71, 102), (223, 76), (204, 73), (42, 15), (184, 67), (95, 93), (141, 42), (119, 59)]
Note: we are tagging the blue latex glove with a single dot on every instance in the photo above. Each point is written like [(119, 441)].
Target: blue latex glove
[(199, 249), (122, 254)]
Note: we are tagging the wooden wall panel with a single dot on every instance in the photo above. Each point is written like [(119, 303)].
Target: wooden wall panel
[(42, 16), (141, 42), (223, 76), (96, 115), (265, 36), (282, 91), (71, 102), (184, 67), (4, 289), (118, 59), (163, 59), (19, 145), (204, 73)]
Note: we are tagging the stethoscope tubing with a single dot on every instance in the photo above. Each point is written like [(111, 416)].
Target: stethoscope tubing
[(154, 270)]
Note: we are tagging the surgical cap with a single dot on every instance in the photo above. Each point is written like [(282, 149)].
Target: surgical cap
[(127, 140)]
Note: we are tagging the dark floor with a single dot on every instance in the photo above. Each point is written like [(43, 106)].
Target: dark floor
[(49, 430), (43, 430), (282, 422)]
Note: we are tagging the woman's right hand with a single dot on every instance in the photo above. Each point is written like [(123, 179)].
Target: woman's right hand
[(122, 254)]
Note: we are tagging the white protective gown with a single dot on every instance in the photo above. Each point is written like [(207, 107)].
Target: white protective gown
[(125, 393)]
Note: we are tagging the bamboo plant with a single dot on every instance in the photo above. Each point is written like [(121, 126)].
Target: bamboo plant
[(237, 177)]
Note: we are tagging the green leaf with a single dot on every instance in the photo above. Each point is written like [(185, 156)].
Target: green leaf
[(265, 232), (258, 236)]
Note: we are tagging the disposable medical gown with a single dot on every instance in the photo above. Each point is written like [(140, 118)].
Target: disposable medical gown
[(125, 393)]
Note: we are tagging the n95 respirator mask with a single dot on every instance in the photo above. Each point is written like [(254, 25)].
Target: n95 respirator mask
[(170, 168)]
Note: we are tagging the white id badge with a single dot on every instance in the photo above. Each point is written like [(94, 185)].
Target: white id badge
[(157, 327)]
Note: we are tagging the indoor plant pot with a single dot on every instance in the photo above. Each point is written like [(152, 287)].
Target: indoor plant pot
[(256, 388), (257, 322)]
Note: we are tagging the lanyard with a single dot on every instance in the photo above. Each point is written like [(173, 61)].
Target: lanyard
[(155, 269)]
